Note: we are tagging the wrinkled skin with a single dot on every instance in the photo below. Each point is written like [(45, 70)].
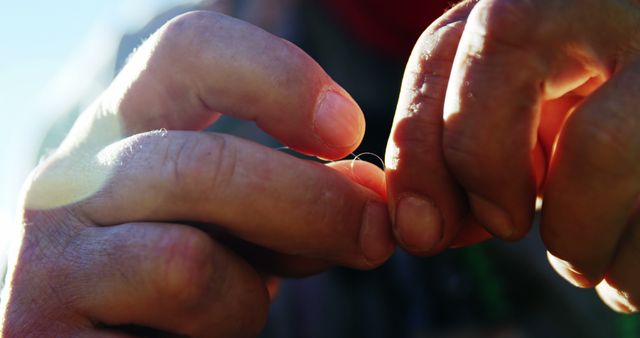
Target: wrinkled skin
[(506, 100), (141, 221), (127, 225)]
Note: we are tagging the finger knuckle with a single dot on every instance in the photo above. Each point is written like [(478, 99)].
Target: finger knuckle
[(195, 165), (183, 269), (429, 85), (507, 23), (434, 58), (418, 134), (190, 27)]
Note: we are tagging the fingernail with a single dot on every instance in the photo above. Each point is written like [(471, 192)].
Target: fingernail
[(376, 239), (494, 218), (418, 223), (338, 121)]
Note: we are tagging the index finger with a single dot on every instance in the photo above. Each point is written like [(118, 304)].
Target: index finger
[(428, 206), (203, 63), (257, 194)]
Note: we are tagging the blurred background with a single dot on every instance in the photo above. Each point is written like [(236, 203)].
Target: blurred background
[(55, 55)]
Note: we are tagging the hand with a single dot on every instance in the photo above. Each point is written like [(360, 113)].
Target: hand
[(504, 100), (116, 222)]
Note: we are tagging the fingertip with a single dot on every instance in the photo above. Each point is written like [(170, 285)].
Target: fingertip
[(615, 299), (376, 242), (494, 218), (376, 238), (364, 173), (570, 273), (338, 122), (418, 225)]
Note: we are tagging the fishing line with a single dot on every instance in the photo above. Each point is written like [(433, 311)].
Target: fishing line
[(356, 157)]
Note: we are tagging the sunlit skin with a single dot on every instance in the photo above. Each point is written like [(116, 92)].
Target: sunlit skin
[(141, 219), (507, 100), (108, 219)]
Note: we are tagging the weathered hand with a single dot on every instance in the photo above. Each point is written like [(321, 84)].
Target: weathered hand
[(116, 222), (504, 100)]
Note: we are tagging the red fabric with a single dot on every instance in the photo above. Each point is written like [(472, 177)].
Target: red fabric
[(388, 25)]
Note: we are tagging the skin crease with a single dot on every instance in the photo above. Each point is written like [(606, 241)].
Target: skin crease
[(557, 120), (140, 223), (86, 268)]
